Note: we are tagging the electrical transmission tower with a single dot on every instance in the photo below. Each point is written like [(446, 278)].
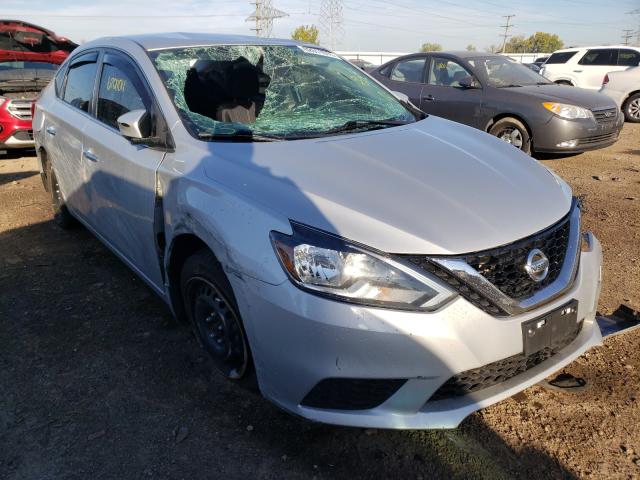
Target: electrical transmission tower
[(331, 21), (506, 27), (626, 35), (263, 15)]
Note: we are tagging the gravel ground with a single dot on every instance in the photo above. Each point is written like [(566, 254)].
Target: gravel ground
[(95, 382)]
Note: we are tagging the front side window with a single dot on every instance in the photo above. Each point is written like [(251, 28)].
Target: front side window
[(602, 56), (559, 58), (410, 70), (120, 91), (79, 87), (271, 90), (628, 58), (446, 73), (503, 72)]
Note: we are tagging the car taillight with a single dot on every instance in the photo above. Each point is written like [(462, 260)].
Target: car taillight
[(605, 80)]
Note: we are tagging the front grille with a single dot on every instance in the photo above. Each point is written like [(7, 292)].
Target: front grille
[(597, 139), (351, 393), (498, 372), (20, 109), (504, 267), (23, 135), (605, 115)]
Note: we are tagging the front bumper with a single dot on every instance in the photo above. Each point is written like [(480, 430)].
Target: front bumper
[(299, 339), (589, 134)]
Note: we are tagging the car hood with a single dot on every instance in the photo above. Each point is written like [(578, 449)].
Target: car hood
[(566, 94), (433, 187)]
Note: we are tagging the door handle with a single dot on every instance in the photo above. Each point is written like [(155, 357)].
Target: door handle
[(89, 155), (429, 98), (577, 71), (51, 130)]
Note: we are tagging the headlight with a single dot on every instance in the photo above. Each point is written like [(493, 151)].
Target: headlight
[(567, 111), (327, 265)]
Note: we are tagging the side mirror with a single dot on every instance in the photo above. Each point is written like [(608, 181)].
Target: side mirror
[(401, 96), (469, 82), (135, 124)]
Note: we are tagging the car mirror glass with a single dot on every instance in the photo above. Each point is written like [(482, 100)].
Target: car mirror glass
[(135, 124)]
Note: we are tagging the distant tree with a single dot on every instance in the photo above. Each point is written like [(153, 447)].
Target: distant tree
[(471, 48), (306, 33), (539, 42), (545, 42), (492, 49), (517, 44), (431, 47)]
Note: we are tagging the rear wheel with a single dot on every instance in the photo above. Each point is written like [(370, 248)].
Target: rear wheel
[(61, 214), (513, 132), (631, 108), (211, 307)]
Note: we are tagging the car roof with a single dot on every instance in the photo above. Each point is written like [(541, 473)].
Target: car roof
[(160, 41), (575, 49)]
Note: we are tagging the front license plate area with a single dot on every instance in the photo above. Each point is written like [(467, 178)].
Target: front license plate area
[(549, 330)]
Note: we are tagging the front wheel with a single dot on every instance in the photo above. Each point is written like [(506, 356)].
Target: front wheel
[(631, 108), (513, 132), (211, 307)]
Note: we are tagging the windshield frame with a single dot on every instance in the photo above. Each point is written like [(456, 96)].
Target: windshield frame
[(245, 135)]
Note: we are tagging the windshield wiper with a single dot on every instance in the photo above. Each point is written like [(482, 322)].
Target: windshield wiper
[(369, 124), (238, 137)]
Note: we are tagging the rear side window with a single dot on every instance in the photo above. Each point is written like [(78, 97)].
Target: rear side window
[(560, 57), (79, 86), (600, 57), (121, 91), (628, 58), (410, 70)]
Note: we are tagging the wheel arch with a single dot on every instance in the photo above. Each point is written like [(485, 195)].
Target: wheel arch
[(43, 159)]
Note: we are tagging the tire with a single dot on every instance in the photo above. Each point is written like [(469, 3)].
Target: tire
[(564, 82), (631, 108), (61, 215), (514, 132), (213, 313)]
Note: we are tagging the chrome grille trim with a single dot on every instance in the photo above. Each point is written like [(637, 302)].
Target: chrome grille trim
[(20, 109), (470, 276)]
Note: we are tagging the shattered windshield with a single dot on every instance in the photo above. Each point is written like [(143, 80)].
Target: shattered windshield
[(272, 91), (504, 72)]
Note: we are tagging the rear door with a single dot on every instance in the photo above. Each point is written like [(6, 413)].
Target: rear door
[(594, 65), (445, 97), (407, 76), (64, 126), (123, 175)]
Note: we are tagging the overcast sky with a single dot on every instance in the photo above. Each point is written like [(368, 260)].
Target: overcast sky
[(369, 25)]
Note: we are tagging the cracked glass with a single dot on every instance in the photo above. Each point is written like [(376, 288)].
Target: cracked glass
[(273, 91)]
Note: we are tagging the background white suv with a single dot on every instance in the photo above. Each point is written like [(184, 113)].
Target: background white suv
[(586, 67)]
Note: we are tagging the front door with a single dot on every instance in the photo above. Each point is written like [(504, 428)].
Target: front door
[(123, 175), (595, 64), (445, 97)]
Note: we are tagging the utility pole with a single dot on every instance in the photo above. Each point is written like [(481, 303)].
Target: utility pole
[(506, 27), (331, 21), (263, 15), (636, 12), (626, 35)]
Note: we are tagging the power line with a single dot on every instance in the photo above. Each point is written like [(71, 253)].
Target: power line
[(626, 35), (331, 21), (506, 27), (263, 15)]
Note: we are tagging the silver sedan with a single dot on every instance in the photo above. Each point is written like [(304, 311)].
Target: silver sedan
[(364, 264)]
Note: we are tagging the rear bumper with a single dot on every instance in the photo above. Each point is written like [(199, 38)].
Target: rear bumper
[(582, 135), (298, 340)]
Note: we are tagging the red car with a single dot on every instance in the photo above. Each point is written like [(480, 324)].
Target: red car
[(29, 58)]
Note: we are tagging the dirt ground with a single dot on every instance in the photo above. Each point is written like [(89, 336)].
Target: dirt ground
[(95, 382)]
